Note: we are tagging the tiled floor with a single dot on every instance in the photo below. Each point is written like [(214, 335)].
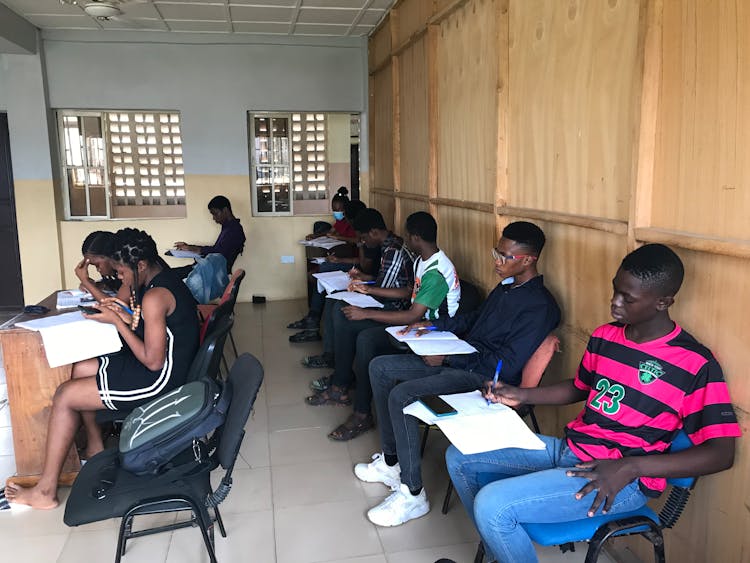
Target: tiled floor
[(295, 498)]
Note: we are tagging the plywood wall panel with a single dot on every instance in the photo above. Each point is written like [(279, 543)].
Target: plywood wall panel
[(413, 110), (386, 205), (702, 172), (379, 45), (412, 17), (406, 208), (381, 128), (467, 83), (574, 85)]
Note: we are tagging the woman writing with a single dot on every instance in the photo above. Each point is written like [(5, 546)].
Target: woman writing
[(161, 337)]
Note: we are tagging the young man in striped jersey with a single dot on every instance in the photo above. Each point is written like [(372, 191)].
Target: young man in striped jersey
[(643, 378)]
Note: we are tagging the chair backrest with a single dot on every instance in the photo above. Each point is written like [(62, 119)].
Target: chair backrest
[(207, 359), (471, 298), (536, 365), (245, 377), (209, 325), (233, 287)]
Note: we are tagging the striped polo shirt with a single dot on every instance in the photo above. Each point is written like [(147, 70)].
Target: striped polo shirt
[(641, 395)]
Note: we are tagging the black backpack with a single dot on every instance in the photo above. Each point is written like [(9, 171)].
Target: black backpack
[(153, 434)]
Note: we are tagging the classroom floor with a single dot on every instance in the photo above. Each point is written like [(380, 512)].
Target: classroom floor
[(295, 498)]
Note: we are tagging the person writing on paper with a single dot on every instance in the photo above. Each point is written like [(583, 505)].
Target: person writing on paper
[(395, 271), (161, 337), (96, 249), (231, 239), (642, 379), (342, 228), (360, 333), (509, 326)]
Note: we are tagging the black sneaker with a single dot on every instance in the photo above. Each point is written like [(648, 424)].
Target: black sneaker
[(305, 323), (321, 384), (305, 336), (321, 361)]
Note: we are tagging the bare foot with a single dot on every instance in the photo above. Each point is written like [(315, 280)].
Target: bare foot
[(33, 496)]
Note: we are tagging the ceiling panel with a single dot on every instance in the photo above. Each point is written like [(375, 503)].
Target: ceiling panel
[(288, 17)]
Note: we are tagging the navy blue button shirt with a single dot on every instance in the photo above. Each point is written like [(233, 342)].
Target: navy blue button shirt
[(510, 325)]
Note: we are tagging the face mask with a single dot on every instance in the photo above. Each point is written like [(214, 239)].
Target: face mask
[(338, 215)]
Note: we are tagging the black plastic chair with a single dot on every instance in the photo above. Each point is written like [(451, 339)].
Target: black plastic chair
[(224, 310), (103, 490), (230, 295)]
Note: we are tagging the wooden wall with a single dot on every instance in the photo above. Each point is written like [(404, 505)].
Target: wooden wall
[(610, 123)]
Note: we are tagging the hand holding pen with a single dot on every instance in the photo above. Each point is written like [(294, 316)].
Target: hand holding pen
[(116, 305), (491, 394), (419, 328)]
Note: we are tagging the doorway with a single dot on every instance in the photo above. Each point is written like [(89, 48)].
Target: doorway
[(11, 286)]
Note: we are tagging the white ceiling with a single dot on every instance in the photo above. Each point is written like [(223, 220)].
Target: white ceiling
[(285, 17)]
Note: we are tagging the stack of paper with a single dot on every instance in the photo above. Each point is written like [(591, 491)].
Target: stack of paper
[(479, 427), (183, 253), (357, 299), (432, 343), (71, 298), (322, 242), (332, 281), (70, 338)]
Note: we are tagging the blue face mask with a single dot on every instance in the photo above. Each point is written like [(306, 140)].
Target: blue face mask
[(338, 215)]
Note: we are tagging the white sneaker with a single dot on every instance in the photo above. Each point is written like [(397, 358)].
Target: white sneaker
[(378, 471), (401, 506)]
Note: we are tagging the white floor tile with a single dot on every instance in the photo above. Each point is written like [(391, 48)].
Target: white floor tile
[(303, 445), (313, 483)]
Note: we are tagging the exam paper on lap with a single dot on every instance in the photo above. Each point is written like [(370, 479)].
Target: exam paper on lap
[(440, 347), (322, 242), (412, 334), (332, 281), (70, 338), (357, 299), (479, 427)]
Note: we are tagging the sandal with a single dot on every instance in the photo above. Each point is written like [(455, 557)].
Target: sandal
[(321, 384), (329, 397), (321, 361), (353, 427), (305, 336)]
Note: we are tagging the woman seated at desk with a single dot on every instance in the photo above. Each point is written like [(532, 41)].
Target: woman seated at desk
[(96, 250), (161, 336)]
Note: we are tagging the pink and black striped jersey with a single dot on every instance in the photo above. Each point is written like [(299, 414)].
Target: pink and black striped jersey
[(641, 395)]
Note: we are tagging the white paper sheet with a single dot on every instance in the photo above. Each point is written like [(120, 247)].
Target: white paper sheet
[(358, 299), (71, 298), (322, 242), (332, 281), (184, 253), (479, 427), (318, 260), (70, 338), (440, 347), (412, 334)]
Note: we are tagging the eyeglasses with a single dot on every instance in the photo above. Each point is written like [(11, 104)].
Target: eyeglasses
[(503, 259)]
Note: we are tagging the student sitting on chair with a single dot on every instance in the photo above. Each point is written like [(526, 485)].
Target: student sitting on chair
[(360, 333), (96, 250), (395, 271), (231, 239), (643, 378), (342, 227), (509, 326), (161, 337)]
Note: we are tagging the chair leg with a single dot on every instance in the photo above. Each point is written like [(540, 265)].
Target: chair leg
[(532, 416), (234, 346), (121, 541), (425, 434), (224, 363), (448, 495), (220, 522), (207, 529), (479, 557)]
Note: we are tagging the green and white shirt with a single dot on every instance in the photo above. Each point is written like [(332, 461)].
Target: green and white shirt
[(436, 286)]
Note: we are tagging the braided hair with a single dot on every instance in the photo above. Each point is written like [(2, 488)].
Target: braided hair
[(130, 247)]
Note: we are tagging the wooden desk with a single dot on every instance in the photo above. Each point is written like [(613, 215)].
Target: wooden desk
[(31, 386)]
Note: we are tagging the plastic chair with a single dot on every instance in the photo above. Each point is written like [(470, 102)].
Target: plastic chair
[(531, 376), (598, 529), (103, 490), (229, 296)]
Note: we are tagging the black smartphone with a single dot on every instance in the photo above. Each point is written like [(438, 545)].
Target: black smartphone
[(89, 310), (437, 405)]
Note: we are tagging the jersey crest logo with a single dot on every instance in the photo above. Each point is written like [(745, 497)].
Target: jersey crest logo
[(649, 371)]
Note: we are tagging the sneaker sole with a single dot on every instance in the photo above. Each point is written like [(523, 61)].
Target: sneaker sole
[(389, 483), (394, 524)]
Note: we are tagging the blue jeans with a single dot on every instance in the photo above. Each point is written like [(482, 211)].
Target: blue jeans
[(398, 381), (502, 488)]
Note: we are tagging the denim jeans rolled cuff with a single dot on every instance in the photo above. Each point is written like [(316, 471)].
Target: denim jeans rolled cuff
[(503, 488)]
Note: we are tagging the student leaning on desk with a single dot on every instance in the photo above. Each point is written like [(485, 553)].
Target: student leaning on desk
[(96, 249), (643, 379), (159, 325)]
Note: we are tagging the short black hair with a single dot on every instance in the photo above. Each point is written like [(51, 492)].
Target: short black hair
[(132, 245), (368, 219), (100, 243), (526, 234), (342, 195), (219, 202), (657, 267), (352, 209), (423, 225)]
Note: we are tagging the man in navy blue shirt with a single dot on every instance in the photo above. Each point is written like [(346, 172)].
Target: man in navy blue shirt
[(231, 239), (509, 326)]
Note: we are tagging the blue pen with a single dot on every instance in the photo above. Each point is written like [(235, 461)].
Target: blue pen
[(123, 307), (497, 374), (365, 283)]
